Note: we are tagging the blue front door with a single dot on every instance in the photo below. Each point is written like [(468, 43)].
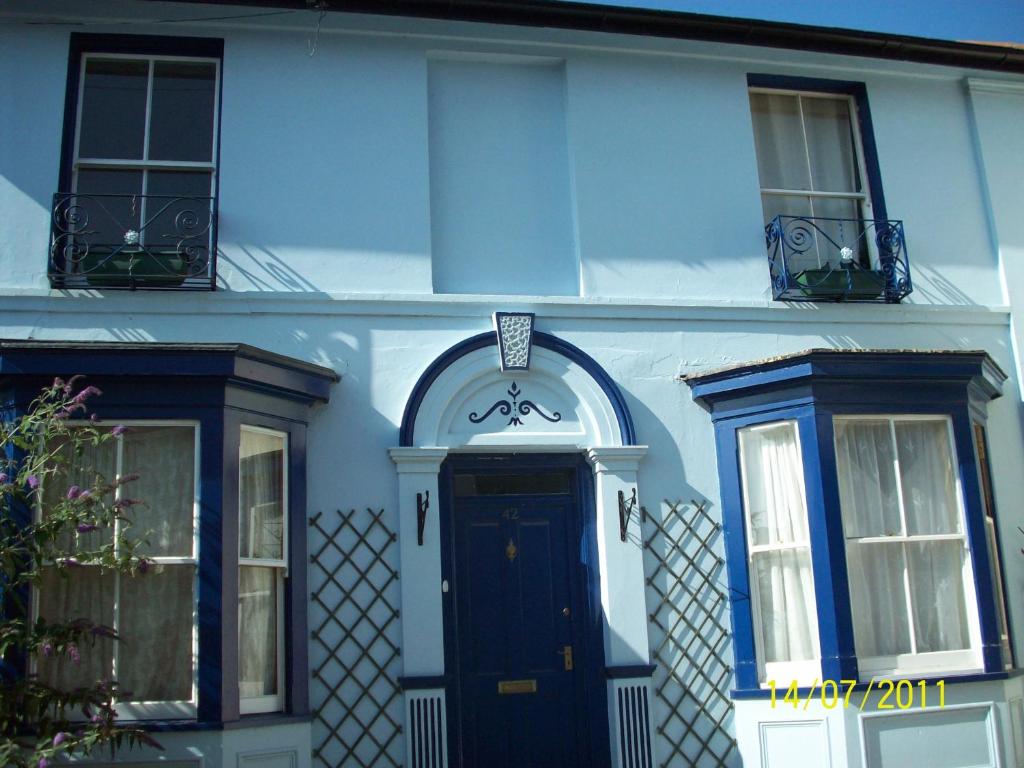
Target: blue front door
[(519, 600)]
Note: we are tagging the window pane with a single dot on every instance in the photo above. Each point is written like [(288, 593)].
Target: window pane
[(257, 631), (113, 206), (181, 125), (867, 478), (779, 140), (173, 225), (877, 595), (164, 459), (774, 485), (155, 622), (113, 120), (830, 145), (927, 478), (261, 496), (94, 464), (937, 595), (83, 594), (785, 595)]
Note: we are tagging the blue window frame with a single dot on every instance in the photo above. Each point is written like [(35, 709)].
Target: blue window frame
[(816, 391), (223, 389)]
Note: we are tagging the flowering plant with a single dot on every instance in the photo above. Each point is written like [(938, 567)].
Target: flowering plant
[(81, 525)]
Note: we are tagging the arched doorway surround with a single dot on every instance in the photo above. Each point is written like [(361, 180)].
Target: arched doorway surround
[(566, 402)]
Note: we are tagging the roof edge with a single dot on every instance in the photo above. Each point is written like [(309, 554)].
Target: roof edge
[(678, 25)]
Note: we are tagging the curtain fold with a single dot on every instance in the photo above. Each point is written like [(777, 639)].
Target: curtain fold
[(777, 511)]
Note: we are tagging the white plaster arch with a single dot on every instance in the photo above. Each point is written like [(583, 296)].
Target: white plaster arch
[(554, 383)]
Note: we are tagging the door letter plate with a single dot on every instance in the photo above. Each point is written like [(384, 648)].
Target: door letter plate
[(506, 687)]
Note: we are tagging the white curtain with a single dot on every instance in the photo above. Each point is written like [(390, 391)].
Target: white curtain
[(155, 654), (152, 661), (880, 462), (778, 518), (164, 459), (261, 496), (257, 631)]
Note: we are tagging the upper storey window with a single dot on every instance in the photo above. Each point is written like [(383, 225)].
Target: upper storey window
[(826, 230), (809, 156), (136, 205)]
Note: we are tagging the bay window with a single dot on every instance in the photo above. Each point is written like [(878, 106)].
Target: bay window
[(216, 629), (857, 542)]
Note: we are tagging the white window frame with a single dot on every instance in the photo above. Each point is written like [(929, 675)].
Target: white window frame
[(248, 705), (803, 671), (914, 665), (146, 710), (144, 164), (864, 196)]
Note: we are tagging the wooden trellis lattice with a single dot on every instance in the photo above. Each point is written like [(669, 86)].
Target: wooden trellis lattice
[(355, 653), (689, 637)]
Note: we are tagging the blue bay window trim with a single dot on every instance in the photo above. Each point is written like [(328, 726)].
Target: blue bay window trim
[(859, 93), (220, 387), (811, 388)]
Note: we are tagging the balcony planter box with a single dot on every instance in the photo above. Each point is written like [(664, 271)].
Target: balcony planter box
[(841, 283), (139, 269)]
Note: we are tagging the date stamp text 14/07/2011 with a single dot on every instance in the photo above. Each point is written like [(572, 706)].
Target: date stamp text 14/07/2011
[(895, 694)]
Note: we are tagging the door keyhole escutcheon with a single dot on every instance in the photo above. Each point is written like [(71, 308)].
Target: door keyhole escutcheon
[(566, 654), (511, 551)]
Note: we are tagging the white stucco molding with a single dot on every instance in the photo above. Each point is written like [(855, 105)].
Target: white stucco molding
[(412, 460), (1004, 87), (617, 459)]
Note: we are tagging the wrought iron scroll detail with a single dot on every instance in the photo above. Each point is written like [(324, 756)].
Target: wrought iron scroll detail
[(515, 409), (830, 259), (355, 646), (132, 241), (689, 635), (625, 512), (422, 506)]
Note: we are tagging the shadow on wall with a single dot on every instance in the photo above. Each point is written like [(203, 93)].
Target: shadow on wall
[(263, 270)]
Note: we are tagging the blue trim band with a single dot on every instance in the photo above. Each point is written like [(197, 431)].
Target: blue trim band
[(573, 353)]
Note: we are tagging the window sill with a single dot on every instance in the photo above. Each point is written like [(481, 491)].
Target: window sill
[(951, 678), (246, 721)]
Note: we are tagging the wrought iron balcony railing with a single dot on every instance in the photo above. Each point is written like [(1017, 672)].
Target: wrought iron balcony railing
[(822, 259), (133, 241)]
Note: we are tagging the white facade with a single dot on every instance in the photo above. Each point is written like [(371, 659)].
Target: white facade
[(368, 223)]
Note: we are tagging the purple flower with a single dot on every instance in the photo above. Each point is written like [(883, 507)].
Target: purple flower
[(120, 429), (74, 492), (85, 394), (44, 763), (85, 528), (3, 477), (97, 718), (70, 562), (33, 482), (47, 648), (60, 738), (143, 566), (73, 653)]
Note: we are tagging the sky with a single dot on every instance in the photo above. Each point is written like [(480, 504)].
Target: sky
[(976, 20)]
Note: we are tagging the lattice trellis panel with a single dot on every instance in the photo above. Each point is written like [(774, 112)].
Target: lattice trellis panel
[(355, 641), (689, 637)]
